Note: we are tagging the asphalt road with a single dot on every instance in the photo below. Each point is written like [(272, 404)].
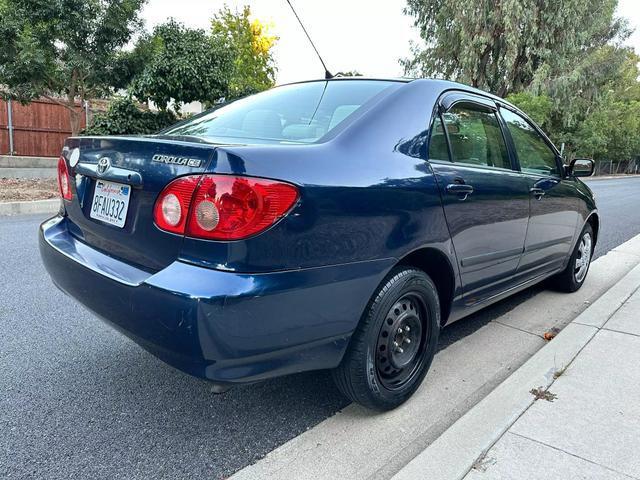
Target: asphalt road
[(618, 203), (78, 400)]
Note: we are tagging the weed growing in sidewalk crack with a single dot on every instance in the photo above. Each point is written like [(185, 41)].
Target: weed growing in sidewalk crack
[(541, 394), (559, 372), (483, 462)]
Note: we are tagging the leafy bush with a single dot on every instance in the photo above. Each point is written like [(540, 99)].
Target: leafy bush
[(125, 118)]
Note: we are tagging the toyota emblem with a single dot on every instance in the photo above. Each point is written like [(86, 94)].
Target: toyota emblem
[(103, 165)]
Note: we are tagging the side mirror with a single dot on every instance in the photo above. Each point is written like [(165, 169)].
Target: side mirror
[(582, 167)]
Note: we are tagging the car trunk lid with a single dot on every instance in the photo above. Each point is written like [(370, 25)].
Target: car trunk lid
[(137, 169)]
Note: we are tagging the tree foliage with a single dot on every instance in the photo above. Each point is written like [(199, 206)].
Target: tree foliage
[(63, 50), (182, 64), (125, 117), (500, 45), (611, 131), (578, 83), (251, 43), (129, 64), (595, 111), (349, 73), (538, 107)]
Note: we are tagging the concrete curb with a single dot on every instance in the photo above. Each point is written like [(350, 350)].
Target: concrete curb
[(455, 452), (28, 173), (7, 161), (33, 207), (608, 177)]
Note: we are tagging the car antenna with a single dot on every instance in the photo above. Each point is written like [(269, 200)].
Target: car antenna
[(327, 74)]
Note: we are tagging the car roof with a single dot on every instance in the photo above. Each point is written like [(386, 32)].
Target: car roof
[(441, 86), (349, 79), (437, 82)]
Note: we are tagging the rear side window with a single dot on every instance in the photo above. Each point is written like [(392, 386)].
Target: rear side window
[(476, 137), (300, 113), (534, 155), (438, 149)]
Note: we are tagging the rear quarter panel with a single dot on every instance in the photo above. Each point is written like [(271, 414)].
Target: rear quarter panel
[(366, 193)]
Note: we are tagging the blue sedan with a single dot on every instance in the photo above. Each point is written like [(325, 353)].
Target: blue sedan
[(335, 224)]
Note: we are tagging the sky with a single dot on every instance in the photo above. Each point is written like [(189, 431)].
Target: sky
[(364, 35)]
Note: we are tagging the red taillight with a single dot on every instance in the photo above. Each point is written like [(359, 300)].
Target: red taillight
[(222, 207), (169, 216), (64, 181)]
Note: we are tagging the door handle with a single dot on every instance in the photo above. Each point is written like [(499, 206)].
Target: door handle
[(537, 192), (461, 189)]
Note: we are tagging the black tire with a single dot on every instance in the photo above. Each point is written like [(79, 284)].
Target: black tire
[(568, 280), (407, 298)]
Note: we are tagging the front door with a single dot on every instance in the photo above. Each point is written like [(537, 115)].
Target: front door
[(554, 214), (486, 202)]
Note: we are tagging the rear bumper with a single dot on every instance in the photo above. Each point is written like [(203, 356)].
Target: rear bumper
[(224, 326)]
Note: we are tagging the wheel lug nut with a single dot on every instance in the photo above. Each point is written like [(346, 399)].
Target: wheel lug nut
[(395, 344), (400, 350), (407, 329), (407, 341), (399, 330)]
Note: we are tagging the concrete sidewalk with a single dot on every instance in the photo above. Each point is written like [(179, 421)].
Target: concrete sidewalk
[(571, 412), (588, 426)]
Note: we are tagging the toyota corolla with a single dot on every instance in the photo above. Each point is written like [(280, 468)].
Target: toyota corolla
[(336, 224)]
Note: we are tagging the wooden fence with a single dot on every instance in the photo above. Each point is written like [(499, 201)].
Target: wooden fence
[(39, 128)]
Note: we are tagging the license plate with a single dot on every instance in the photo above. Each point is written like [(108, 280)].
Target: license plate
[(110, 202)]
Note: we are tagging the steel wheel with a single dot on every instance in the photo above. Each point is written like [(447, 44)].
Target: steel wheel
[(401, 342), (583, 258), (393, 346)]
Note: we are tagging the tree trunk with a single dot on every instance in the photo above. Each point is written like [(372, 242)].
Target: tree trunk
[(75, 117)]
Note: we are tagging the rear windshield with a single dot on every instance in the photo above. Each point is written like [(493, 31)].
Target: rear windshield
[(300, 113)]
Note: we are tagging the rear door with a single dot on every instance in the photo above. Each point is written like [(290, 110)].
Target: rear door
[(486, 202), (554, 207)]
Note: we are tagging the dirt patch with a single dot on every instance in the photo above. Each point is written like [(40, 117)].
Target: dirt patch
[(25, 189)]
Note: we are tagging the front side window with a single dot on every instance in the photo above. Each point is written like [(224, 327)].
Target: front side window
[(297, 113), (534, 155), (476, 138)]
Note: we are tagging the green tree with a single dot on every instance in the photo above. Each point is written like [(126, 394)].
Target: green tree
[(130, 63), (609, 129), (181, 64), (586, 79), (538, 107), (595, 110), (63, 50), (253, 67), (500, 45), (611, 132)]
